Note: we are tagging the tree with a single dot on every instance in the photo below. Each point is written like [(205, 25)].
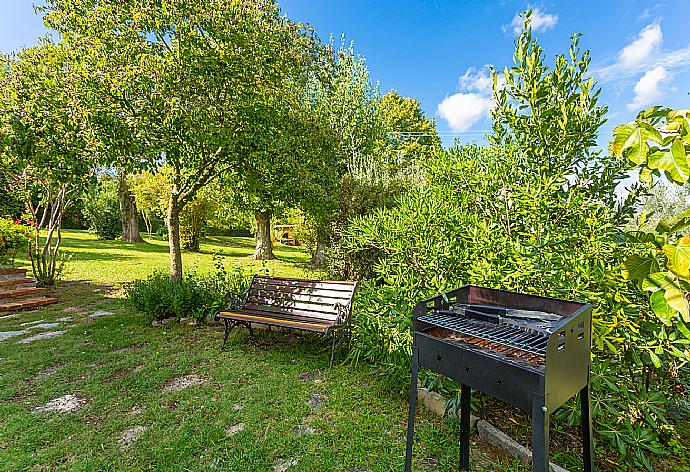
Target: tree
[(379, 143), (188, 79), (47, 143), (129, 215)]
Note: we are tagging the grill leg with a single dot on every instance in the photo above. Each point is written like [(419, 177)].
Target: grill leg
[(540, 435), (465, 400), (587, 437), (413, 406)]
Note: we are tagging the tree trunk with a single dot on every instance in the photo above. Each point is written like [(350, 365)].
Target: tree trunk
[(264, 243), (128, 211), (319, 257), (174, 236)]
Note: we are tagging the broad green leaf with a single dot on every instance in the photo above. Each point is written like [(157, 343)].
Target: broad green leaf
[(673, 161), (657, 281), (630, 140), (679, 257), (646, 175), (675, 223), (661, 308), (684, 330), (655, 359), (637, 267)]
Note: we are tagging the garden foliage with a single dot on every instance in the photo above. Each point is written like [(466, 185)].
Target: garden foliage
[(14, 237), (536, 211), (102, 209), (160, 297)]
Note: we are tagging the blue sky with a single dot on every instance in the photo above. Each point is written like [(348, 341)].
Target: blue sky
[(437, 51)]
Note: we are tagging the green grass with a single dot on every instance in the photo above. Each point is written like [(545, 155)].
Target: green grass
[(120, 362)]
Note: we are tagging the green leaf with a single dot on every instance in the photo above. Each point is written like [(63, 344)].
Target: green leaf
[(673, 161), (675, 223), (655, 359), (679, 257), (656, 281), (630, 140), (661, 308), (637, 267)]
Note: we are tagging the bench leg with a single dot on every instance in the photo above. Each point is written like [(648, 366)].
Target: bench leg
[(334, 345), (249, 327), (229, 325)]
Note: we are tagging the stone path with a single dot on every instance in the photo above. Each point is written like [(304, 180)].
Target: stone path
[(4, 335), (129, 436), (233, 430), (65, 404), (39, 336)]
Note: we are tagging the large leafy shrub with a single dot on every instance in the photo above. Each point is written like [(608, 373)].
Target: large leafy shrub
[(14, 237), (536, 212), (102, 209)]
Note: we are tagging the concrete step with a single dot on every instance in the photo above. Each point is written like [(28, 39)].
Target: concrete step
[(26, 304), (21, 294), (14, 284), (9, 274)]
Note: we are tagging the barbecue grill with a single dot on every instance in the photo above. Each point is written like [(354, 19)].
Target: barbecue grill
[(532, 352)]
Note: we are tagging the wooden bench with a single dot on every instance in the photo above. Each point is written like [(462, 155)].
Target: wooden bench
[(320, 306)]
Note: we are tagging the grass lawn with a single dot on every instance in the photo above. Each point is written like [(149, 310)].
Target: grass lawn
[(264, 404)]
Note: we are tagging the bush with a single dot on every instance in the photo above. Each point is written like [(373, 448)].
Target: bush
[(14, 237), (160, 297), (102, 209)]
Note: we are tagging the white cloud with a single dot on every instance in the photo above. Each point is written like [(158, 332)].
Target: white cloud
[(541, 21), (462, 110), (648, 89), (473, 100), (639, 52), (643, 54), (474, 80)]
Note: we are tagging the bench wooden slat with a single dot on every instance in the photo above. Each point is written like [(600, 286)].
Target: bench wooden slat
[(282, 316), (277, 322), (298, 297), (309, 284), (287, 303), (290, 312), (335, 294)]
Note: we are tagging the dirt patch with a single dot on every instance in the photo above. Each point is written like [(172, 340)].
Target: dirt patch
[(75, 309), (65, 404), (303, 430), (136, 410), (131, 348), (120, 373), (181, 383), (129, 436), (317, 400), (92, 420), (311, 376), (39, 336), (44, 374)]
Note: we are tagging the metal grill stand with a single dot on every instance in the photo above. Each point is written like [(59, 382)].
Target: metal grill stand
[(534, 364)]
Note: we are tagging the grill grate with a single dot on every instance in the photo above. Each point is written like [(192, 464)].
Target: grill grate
[(506, 335)]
